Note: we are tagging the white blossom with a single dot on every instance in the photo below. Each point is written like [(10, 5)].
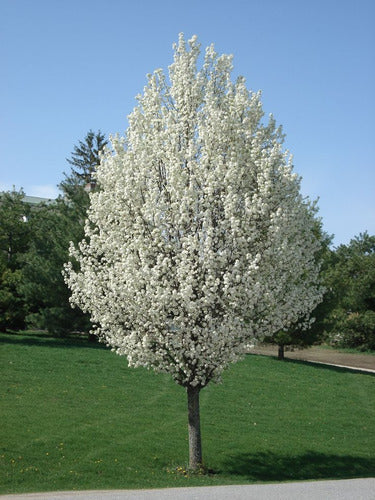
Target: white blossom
[(198, 241)]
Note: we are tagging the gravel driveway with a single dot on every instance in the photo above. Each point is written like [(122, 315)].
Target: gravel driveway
[(320, 355)]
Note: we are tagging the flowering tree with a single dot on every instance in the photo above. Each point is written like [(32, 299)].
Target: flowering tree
[(198, 240)]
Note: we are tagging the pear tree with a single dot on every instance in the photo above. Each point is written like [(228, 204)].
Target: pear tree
[(198, 240)]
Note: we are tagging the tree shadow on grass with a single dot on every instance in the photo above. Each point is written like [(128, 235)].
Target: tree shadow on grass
[(319, 366), (44, 340), (311, 465), (332, 368)]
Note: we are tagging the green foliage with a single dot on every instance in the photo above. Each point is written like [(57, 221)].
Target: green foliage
[(296, 336), (53, 227), (34, 246), (74, 416), (14, 240), (14, 232), (84, 160), (351, 280), (354, 330), (13, 309)]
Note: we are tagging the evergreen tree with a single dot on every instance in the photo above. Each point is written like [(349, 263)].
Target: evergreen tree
[(14, 242), (76, 186), (84, 162), (53, 227), (14, 233), (85, 158)]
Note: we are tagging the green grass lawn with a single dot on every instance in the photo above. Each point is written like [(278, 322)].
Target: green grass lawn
[(73, 416)]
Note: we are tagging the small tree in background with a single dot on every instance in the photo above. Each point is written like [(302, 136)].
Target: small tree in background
[(198, 239), (295, 336)]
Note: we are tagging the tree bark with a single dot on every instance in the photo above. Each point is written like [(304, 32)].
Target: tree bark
[(195, 444), (281, 352)]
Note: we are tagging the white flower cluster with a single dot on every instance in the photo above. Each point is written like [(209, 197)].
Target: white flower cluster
[(198, 240)]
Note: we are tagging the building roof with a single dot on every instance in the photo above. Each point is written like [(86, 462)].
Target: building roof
[(36, 200)]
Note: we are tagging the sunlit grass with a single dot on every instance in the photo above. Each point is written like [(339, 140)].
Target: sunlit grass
[(73, 416)]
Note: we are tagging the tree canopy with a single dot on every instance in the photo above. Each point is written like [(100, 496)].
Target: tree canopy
[(350, 278)]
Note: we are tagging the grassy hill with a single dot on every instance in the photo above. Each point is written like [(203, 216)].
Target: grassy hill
[(74, 416)]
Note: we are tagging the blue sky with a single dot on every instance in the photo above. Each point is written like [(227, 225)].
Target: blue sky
[(74, 65)]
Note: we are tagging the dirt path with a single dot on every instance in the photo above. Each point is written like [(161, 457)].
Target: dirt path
[(321, 355)]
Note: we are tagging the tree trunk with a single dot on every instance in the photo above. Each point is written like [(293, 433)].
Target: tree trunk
[(195, 444), (281, 352)]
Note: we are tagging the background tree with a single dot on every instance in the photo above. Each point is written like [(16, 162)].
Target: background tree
[(14, 241), (351, 280), (84, 161), (14, 233), (198, 239), (295, 336), (53, 227), (85, 156), (13, 309)]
